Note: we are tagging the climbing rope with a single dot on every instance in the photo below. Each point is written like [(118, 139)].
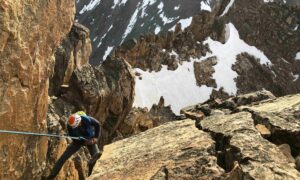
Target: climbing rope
[(41, 134)]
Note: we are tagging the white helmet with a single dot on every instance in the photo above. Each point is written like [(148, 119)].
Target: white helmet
[(74, 120)]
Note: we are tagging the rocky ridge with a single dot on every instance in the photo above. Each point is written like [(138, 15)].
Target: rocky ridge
[(114, 22), (240, 138), (150, 53)]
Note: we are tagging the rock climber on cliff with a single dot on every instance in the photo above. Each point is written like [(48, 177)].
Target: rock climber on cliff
[(86, 127)]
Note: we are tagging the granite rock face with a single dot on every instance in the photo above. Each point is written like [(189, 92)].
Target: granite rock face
[(183, 152), (240, 142), (281, 117), (105, 92), (30, 31), (257, 139), (256, 134), (57, 116), (74, 52)]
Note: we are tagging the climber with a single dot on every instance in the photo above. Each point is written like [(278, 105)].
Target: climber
[(80, 125)]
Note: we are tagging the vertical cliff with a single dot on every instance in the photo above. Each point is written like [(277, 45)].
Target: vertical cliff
[(30, 31)]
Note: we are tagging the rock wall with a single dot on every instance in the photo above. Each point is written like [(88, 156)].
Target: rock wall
[(30, 31), (104, 92), (57, 116), (73, 53)]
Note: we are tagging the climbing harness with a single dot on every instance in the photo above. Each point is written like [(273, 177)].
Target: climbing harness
[(41, 134)]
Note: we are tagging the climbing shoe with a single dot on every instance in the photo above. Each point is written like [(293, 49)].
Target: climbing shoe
[(92, 162)]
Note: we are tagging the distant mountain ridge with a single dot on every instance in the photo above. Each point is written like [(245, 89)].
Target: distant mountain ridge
[(113, 22)]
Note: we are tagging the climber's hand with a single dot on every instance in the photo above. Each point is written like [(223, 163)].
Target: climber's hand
[(91, 141)]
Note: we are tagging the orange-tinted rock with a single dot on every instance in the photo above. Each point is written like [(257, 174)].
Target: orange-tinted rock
[(30, 31), (263, 130)]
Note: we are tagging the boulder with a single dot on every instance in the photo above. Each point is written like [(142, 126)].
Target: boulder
[(263, 130)]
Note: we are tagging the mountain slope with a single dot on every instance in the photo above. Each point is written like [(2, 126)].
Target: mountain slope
[(237, 48), (113, 22)]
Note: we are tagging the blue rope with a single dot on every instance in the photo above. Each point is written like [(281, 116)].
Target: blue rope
[(41, 134)]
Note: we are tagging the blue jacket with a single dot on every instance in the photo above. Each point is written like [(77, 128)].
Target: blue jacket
[(89, 128)]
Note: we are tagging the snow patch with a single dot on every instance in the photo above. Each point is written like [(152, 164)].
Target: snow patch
[(178, 88), (227, 7), (160, 6), (145, 4), (100, 41), (176, 8), (295, 76), (107, 52), (140, 7), (173, 28), (205, 6), (175, 54), (157, 30), (167, 20), (95, 38), (131, 24), (90, 6), (184, 23), (268, 1), (118, 2), (296, 27), (226, 56), (275, 75), (297, 56)]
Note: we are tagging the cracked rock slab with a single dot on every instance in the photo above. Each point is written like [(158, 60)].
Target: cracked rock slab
[(175, 150), (281, 117), (257, 157)]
